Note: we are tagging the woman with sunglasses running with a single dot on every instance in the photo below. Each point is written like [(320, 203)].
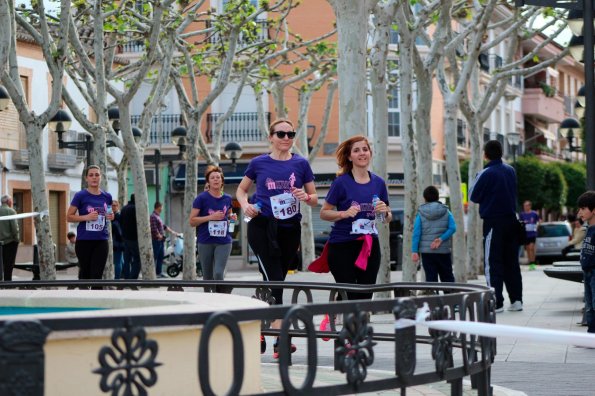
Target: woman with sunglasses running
[(283, 180)]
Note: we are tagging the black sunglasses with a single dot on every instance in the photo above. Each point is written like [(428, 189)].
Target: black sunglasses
[(282, 134)]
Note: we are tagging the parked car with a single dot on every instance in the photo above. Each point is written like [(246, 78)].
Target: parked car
[(396, 240), (552, 237)]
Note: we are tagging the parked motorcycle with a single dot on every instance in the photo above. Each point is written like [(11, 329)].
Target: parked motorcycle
[(173, 258)]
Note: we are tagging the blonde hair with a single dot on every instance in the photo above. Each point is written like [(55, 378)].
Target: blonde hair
[(277, 122)]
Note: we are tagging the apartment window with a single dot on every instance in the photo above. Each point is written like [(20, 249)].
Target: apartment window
[(394, 113), (461, 133), (486, 134)]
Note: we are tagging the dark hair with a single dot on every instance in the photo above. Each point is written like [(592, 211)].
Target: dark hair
[(571, 217), (157, 205), (493, 150), (132, 197), (92, 167), (70, 235), (344, 150), (431, 194), (586, 200), (277, 122)]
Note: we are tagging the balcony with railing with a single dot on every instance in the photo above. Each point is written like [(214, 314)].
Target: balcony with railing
[(239, 127), (262, 34), (543, 104), (161, 127)]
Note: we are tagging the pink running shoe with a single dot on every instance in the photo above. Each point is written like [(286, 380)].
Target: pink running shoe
[(325, 325)]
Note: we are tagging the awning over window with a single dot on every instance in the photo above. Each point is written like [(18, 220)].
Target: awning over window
[(540, 130)]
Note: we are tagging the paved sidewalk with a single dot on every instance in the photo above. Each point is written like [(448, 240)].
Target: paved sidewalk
[(520, 368)]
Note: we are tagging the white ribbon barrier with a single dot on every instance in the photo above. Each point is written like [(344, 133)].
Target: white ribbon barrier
[(25, 215), (498, 330)]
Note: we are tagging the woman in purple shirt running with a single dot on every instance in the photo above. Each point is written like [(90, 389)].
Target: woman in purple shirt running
[(211, 213), (283, 181), (91, 209)]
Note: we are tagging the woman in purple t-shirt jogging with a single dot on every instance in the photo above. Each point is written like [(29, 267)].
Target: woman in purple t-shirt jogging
[(211, 213), (349, 205), (91, 209), (283, 180)]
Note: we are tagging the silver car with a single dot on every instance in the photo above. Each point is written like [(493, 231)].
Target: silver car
[(552, 237)]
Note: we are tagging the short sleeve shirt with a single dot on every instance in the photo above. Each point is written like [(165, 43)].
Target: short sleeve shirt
[(530, 219), (346, 192), (86, 203), (274, 180), (215, 232)]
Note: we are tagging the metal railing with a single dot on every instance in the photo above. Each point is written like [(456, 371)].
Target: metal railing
[(161, 125), (454, 356), (239, 127)]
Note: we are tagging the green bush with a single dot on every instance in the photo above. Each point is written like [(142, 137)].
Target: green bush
[(530, 180), (575, 175), (555, 189)]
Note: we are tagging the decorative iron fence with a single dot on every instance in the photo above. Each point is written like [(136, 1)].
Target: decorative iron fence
[(161, 127), (130, 365), (239, 127)]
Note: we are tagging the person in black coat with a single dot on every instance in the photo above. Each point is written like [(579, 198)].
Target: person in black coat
[(117, 240), (131, 266)]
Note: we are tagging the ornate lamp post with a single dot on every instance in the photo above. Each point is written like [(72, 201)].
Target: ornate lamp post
[(567, 130), (178, 137), (4, 98), (233, 151), (60, 123), (580, 23), (514, 138)]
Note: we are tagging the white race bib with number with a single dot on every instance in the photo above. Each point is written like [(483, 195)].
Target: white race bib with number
[(531, 227), (284, 206), (96, 225), (218, 228), (363, 226)]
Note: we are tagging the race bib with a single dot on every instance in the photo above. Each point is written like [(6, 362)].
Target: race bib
[(96, 225), (284, 206), (218, 228), (363, 226), (531, 227)]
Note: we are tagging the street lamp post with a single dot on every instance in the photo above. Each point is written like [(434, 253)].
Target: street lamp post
[(233, 151), (178, 136), (567, 128), (60, 123), (4, 98), (580, 23), (514, 138)]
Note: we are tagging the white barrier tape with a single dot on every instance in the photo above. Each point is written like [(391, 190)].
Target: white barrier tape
[(499, 330), (25, 215)]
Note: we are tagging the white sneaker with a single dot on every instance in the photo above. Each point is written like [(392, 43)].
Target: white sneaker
[(516, 306), (499, 310)]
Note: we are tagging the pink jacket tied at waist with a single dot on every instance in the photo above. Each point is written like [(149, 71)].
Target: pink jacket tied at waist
[(320, 265)]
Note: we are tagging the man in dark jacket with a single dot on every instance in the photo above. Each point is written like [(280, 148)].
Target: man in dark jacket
[(131, 266), (495, 190), (9, 236)]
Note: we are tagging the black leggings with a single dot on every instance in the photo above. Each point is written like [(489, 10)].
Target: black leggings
[(274, 268), (92, 257), (341, 262)]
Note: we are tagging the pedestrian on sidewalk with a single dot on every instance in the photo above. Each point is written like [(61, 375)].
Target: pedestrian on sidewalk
[(89, 208), (495, 190), (531, 220), (432, 231), (158, 229), (131, 265), (586, 211), (117, 240), (283, 181), (9, 236), (578, 234), (212, 213)]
